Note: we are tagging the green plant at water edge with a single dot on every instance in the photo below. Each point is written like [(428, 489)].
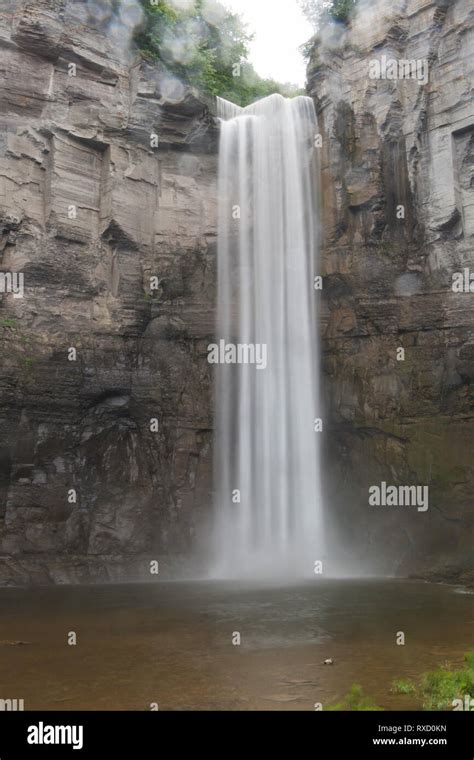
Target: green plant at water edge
[(355, 700), (469, 660), (438, 688), (402, 686), (205, 45)]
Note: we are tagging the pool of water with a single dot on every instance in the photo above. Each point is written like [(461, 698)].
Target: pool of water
[(173, 644)]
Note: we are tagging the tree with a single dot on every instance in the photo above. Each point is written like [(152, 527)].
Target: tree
[(317, 10), (204, 45)]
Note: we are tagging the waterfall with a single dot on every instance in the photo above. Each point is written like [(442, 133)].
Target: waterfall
[(268, 505)]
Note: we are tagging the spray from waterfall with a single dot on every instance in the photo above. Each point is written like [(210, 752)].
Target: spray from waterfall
[(268, 510)]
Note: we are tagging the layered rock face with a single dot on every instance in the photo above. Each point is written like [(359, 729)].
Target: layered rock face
[(398, 208), (108, 209)]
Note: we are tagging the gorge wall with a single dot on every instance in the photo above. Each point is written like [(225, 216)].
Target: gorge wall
[(90, 210), (388, 282)]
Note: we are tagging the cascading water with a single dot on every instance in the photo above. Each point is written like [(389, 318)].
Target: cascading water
[(267, 472)]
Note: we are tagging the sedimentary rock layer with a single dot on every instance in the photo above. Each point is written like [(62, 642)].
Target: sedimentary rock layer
[(91, 209), (398, 208)]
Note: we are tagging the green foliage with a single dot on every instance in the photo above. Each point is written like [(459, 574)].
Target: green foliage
[(317, 11), (355, 700), (469, 660), (250, 87), (11, 323), (438, 688), (204, 45), (341, 9), (28, 365), (402, 686)]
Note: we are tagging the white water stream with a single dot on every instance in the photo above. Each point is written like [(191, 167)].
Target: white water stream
[(267, 472)]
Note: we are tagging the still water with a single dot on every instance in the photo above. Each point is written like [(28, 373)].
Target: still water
[(172, 643)]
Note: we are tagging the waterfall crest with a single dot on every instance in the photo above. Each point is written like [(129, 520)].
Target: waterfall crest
[(268, 510)]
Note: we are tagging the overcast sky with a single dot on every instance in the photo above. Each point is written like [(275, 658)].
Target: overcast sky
[(280, 28)]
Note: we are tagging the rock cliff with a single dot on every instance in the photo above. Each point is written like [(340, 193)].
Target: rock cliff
[(108, 173), (397, 162), (108, 209)]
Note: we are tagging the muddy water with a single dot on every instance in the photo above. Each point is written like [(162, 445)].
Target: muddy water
[(171, 643)]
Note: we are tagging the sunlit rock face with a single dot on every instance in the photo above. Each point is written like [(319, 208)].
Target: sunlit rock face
[(93, 209), (398, 200)]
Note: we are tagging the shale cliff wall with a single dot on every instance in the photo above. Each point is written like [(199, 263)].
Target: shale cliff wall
[(388, 275), (90, 210)]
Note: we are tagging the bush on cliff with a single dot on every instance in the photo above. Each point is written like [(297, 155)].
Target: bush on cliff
[(317, 11)]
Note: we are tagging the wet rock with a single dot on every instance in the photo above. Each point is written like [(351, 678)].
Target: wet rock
[(90, 211), (398, 200)]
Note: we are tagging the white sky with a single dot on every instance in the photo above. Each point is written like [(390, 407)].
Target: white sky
[(280, 28)]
